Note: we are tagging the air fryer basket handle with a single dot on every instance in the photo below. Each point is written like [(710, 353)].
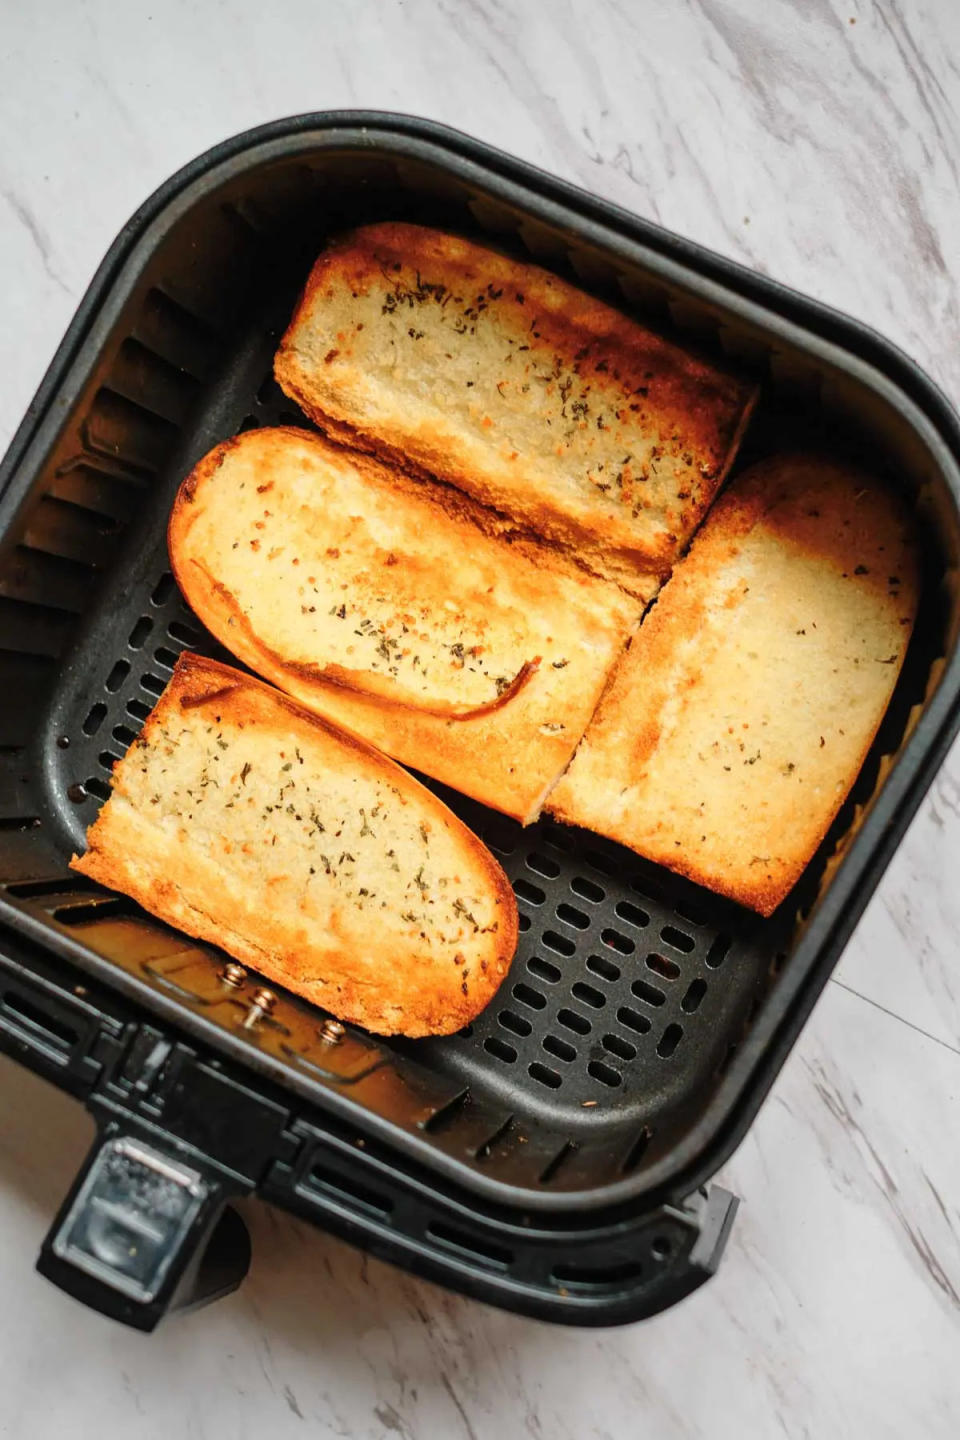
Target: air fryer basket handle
[(143, 1231)]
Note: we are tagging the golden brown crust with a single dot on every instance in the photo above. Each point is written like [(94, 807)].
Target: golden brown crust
[(530, 395), (747, 703), (361, 530), (255, 878)]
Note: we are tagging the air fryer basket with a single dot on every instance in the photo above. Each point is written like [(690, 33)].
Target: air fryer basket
[(549, 1156)]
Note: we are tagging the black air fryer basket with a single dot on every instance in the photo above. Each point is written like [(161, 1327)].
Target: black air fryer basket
[(553, 1157)]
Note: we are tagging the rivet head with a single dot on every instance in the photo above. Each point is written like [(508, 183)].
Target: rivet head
[(233, 975), (261, 1004), (331, 1031)]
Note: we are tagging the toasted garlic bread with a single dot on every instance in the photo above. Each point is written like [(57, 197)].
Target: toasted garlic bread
[(518, 388), (739, 718), (250, 823), (395, 607)]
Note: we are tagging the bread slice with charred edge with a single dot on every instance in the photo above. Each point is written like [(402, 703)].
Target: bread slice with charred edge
[(506, 381), (744, 709), (248, 822), (400, 609)]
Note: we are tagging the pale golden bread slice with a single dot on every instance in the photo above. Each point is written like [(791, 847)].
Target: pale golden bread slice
[(520, 389), (741, 714), (245, 821), (393, 606)]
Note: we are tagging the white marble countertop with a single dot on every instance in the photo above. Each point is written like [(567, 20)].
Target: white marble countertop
[(818, 141)]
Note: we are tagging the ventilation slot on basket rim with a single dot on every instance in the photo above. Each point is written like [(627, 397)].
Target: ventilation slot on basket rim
[(637, 1150), (484, 1150), (599, 1277), (20, 1012), (447, 1113), (332, 1181), (549, 1171), (473, 1247)]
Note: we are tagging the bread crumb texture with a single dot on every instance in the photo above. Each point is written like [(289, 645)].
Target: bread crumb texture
[(744, 708), (247, 822), (519, 388)]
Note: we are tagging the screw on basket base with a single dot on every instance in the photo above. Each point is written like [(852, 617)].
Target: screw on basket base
[(331, 1031), (233, 975), (262, 1003)]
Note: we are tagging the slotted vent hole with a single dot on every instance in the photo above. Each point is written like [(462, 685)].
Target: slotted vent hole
[(559, 944), (543, 865), (153, 683), (138, 709), (598, 861), (562, 1049), (669, 1040), (163, 589), (619, 1047), (605, 1073), (523, 923), (603, 967), (695, 993), (559, 840), (124, 734), (504, 1051), (587, 890), (516, 1024), (621, 943), (573, 1020), (526, 994), (186, 634), (648, 993), (140, 632), (670, 935), (531, 894), (633, 1020), (571, 916), (543, 969), (589, 995), (660, 965), (94, 719), (545, 1075), (632, 914), (689, 910), (718, 951), (166, 657), (117, 675)]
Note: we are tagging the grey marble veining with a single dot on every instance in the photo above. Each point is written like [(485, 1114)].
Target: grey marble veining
[(820, 143)]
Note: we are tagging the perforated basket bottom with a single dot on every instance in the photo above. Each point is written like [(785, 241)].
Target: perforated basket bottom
[(630, 986)]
